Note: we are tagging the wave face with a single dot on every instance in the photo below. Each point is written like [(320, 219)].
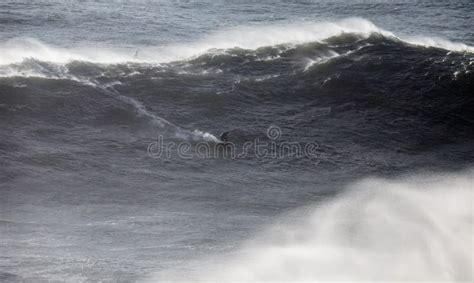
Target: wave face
[(418, 228), (352, 67)]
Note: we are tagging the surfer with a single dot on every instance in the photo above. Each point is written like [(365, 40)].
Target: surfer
[(224, 137)]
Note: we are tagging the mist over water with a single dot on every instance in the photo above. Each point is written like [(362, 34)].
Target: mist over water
[(380, 89), (413, 228)]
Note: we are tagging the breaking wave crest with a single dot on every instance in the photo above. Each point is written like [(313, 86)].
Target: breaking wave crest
[(245, 37)]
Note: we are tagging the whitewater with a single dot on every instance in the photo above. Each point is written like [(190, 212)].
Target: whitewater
[(413, 228)]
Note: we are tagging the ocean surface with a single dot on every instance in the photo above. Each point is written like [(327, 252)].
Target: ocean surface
[(347, 154)]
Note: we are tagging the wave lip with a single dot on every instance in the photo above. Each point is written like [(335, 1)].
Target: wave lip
[(245, 37)]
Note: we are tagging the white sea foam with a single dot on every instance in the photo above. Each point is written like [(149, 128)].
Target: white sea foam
[(318, 60), (18, 49), (438, 42), (411, 229), (247, 37)]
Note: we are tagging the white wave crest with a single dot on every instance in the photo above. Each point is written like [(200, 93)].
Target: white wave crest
[(247, 37), (419, 228)]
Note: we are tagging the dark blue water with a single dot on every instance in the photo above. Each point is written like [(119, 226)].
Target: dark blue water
[(114, 166)]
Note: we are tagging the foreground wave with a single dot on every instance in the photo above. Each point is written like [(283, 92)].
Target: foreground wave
[(408, 229)]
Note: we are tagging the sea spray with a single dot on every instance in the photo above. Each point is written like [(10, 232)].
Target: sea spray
[(407, 229)]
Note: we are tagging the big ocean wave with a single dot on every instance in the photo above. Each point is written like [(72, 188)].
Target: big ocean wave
[(390, 103), (331, 64)]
